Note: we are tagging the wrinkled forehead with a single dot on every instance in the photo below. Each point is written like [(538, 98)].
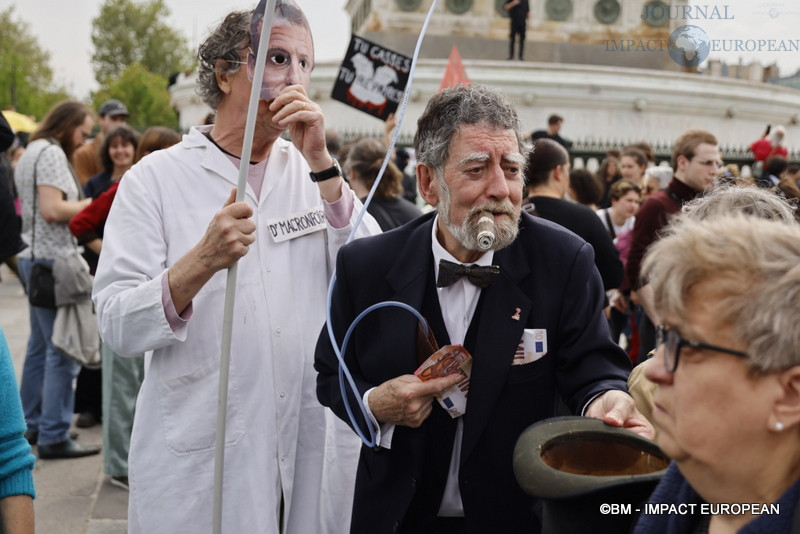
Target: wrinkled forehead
[(704, 294), (291, 37)]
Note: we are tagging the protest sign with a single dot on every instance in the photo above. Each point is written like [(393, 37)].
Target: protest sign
[(372, 78)]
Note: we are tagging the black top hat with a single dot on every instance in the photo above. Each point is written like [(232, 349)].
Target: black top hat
[(578, 465)]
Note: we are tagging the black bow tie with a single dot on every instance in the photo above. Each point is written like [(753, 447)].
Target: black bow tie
[(450, 272)]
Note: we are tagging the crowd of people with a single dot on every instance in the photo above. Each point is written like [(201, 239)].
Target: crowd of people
[(690, 271), (626, 178)]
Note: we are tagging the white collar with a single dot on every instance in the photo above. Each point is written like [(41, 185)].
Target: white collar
[(440, 253)]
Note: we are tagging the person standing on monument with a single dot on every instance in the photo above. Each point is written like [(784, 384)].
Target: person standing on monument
[(518, 12)]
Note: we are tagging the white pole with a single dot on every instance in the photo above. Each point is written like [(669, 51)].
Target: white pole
[(230, 289)]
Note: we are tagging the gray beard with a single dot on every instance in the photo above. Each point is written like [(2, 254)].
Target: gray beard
[(506, 230)]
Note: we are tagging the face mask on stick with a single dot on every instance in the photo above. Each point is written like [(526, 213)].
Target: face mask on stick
[(287, 62)]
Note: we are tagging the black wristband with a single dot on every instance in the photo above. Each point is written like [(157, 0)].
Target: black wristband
[(327, 174)]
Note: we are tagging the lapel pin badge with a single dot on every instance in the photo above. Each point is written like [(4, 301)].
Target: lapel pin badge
[(516, 315)]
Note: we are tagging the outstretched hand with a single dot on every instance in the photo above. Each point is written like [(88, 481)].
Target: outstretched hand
[(617, 408)]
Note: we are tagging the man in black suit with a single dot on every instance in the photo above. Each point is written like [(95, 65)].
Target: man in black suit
[(518, 12), (537, 334)]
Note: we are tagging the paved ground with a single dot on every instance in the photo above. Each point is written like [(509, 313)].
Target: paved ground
[(73, 496)]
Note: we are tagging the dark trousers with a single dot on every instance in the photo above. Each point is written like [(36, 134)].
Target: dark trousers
[(517, 28), (89, 392), (447, 525), (617, 323), (647, 335)]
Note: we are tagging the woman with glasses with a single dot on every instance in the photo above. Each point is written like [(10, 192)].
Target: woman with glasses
[(727, 375), (655, 179), (751, 201)]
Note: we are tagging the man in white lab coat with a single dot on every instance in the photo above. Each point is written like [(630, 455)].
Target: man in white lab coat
[(160, 285)]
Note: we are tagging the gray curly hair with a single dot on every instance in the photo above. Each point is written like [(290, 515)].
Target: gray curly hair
[(221, 52), (462, 105), (753, 267), (749, 200)]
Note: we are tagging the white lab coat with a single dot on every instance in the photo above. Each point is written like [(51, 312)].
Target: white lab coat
[(280, 440)]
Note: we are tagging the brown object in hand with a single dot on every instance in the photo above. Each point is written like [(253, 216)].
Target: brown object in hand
[(449, 362)]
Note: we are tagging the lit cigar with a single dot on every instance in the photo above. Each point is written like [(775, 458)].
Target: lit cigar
[(485, 232)]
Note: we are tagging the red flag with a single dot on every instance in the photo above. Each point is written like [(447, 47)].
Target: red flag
[(454, 73)]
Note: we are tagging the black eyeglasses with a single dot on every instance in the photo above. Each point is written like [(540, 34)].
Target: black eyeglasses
[(673, 343)]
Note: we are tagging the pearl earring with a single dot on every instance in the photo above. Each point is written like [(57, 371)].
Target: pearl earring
[(779, 426)]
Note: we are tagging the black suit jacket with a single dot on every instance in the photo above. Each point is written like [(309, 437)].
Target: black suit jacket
[(519, 12), (548, 279), (584, 222)]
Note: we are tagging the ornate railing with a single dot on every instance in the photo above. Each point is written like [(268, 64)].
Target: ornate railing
[(662, 150), (588, 148)]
